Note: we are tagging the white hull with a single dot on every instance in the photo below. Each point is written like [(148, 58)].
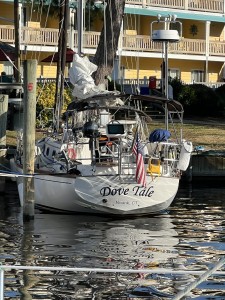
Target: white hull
[(115, 195)]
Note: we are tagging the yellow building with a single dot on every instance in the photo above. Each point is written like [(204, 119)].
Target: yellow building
[(198, 56)]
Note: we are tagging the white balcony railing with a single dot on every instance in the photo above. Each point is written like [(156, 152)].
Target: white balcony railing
[(142, 43), (213, 6)]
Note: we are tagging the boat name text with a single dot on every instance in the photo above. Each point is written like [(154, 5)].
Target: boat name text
[(137, 191)]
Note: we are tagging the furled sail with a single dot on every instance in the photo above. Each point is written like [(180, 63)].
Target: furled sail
[(80, 76)]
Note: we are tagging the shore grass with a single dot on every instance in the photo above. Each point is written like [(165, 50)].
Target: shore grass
[(211, 135)]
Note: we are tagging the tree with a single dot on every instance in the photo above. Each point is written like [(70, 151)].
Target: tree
[(108, 44)]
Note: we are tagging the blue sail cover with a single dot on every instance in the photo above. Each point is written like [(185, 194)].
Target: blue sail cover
[(159, 135)]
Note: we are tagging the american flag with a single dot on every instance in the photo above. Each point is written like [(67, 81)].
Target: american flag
[(140, 168)]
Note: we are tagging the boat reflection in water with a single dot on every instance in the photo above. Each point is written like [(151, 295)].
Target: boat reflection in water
[(94, 242), (149, 241), (190, 237)]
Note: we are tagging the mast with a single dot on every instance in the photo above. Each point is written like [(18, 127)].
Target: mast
[(61, 63), (80, 28), (17, 41)]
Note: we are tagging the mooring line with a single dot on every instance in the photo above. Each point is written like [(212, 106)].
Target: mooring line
[(14, 175)]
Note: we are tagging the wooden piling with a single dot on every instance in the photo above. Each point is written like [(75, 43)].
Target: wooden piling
[(29, 126), (3, 122)]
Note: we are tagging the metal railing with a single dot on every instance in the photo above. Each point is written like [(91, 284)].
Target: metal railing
[(203, 275)]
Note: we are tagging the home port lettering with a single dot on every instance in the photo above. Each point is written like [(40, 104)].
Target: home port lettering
[(136, 191)]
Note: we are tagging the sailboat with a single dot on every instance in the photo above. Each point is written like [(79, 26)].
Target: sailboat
[(107, 158)]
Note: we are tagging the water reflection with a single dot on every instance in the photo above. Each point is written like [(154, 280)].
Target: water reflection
[(106, 241), (189, 236)]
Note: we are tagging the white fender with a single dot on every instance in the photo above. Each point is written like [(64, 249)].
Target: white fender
[(185, 155)]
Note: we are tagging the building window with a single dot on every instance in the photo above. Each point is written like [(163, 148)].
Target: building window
[(174, 73), (197, 76)]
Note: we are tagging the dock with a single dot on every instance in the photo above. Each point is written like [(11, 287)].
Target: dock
[(206, 165)]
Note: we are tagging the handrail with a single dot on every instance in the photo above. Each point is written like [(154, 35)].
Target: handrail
[(204, 275), (202, 278)]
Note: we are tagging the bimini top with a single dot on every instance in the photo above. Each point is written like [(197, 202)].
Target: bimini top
[(172, 105), (111, 100)]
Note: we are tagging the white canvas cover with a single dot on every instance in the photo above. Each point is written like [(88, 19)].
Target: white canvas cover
[(80, 76)]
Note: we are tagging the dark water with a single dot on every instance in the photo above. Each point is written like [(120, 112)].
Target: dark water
[(190, 235)]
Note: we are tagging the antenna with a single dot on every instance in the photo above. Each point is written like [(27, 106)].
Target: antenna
[(166, 34), (171, 36)]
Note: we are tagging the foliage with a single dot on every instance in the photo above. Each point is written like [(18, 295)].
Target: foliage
[(187, 97), (199, 100), (177, 85), (220, 92), (46, 102)]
